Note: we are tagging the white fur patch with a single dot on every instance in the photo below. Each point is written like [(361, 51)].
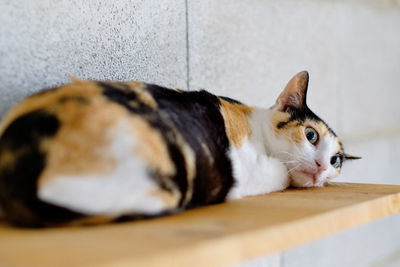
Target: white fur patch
[(125, 190), (254, 171)]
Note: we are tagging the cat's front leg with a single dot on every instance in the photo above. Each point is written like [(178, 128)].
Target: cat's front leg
[(256, 173)]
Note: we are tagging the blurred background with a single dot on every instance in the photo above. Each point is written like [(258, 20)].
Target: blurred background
[(247, 50)]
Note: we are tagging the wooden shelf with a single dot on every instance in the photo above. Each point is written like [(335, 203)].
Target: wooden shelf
[(209, 236)]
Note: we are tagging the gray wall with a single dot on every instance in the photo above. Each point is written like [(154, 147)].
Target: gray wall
[(243, 49)]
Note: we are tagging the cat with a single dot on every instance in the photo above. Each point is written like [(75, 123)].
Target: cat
[(96, 151)]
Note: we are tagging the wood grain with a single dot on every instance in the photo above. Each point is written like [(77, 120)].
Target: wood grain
[(209, 236)]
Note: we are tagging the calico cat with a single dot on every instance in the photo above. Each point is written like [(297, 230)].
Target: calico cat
[(92, 152)]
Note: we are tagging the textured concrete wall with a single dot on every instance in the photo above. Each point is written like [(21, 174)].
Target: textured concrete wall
[(244, 49), (42, 42)]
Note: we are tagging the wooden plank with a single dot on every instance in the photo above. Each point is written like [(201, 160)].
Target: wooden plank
[(209, 236)]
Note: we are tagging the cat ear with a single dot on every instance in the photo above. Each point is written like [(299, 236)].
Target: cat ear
[(350, 157), (295, 92)]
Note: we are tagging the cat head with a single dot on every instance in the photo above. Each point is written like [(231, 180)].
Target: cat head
[(310, 149)]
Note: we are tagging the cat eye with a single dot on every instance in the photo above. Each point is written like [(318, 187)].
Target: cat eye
[(335, 161), (311, 135)]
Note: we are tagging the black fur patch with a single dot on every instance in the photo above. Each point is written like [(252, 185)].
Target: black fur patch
[(117, 94), (18, 183), (197, 118), (230, 100), (282, 124), (125, 97), (301, 115), (169, 135)]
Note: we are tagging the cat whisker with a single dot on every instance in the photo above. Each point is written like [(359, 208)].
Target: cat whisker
[(285, 152), (300, 158), (294, 168), (289, 161)]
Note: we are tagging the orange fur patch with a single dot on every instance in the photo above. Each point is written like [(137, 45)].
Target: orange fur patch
[(320, 127), (170, 199), (236, 121), (276, 118), (81, 144), (294, 130)]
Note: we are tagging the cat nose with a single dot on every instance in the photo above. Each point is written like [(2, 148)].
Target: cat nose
[(321, 167)]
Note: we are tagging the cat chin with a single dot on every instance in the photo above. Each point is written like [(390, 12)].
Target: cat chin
[(302, 179)]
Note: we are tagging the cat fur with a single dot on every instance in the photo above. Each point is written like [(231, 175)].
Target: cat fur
[(92, 152)]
